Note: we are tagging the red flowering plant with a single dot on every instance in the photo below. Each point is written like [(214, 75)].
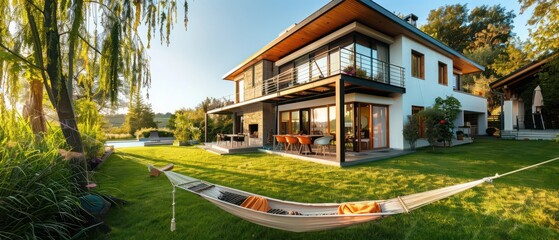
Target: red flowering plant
[(439, 120)]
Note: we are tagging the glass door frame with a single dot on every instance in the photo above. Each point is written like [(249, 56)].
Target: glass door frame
[(371, 135)]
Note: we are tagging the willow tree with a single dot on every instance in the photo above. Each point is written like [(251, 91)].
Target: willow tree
[(75, 42)]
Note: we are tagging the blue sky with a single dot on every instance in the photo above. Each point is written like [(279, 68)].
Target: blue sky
[(222, 33)]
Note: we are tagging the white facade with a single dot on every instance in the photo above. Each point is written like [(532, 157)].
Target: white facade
[(419, 92), (423, 92)]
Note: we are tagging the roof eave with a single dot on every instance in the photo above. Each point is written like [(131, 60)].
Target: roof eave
[(285, 35), (368, 3)]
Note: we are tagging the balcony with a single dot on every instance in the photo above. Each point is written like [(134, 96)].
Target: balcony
[(333, 62)]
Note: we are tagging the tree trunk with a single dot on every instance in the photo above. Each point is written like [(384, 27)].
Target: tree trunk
[(62, 102), (34, 108)]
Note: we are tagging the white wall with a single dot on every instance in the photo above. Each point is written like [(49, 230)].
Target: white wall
[(423, 92)]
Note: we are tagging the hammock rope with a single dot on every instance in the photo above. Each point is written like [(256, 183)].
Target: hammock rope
[(524, 168), (319, 216)]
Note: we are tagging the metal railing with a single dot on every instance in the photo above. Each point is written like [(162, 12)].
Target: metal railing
[(342, 61)]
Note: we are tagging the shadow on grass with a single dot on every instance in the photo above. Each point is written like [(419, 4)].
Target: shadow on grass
[(511, 209)]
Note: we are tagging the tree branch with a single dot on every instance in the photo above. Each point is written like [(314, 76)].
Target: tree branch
[(30, 2), (89, 44), (38, 50), (21, 57), (72, 43)]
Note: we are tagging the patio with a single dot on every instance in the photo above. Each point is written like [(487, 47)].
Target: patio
[(328, 158)]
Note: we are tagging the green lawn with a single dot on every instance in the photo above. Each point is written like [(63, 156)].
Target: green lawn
[(520, 206)]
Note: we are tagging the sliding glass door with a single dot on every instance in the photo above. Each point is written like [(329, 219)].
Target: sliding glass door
[(373, 127), (380, 127), (366, 124)]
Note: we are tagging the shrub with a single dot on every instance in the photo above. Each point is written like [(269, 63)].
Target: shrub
[(145, 132), (38, 198), (185, 129), (490, 131), (435, 126), (411, 130), (93, 140), (118, 135), (89, 123)]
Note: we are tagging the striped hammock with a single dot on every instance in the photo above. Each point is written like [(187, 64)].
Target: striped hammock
[(309, 216)]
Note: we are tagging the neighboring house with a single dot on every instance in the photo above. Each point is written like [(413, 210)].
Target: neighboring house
[(353, 70), (518, 96)]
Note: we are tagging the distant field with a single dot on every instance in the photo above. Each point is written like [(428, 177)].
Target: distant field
[(161, 120), (117, 120)]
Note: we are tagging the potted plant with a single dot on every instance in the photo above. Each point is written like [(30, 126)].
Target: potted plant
[(459, 135)]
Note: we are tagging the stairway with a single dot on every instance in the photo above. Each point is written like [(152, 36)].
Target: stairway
[(529, 134)]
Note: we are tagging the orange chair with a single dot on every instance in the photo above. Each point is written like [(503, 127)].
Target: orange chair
[(291, 142), (281, 142), (304, 141)]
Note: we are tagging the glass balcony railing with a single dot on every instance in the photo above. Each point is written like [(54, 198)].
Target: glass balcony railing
[(334, 62)]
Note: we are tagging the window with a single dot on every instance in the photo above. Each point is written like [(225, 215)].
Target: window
[(456, 82), (414, 111), (319, 121), (284, 123), (443, 78), (417, 65)]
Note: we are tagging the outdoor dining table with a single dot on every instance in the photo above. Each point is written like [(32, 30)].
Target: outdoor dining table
[(233, 136)]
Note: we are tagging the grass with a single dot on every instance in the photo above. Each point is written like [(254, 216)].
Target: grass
[(520, 206)]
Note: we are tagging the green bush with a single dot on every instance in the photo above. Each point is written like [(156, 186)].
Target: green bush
[(144, 132), (111, 136), (411, 130), (435, 125), (93, 139), (89, 123), (38, 198), (185, 129)]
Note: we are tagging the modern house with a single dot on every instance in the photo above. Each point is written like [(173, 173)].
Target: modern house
[(352, 70), (523, 118)]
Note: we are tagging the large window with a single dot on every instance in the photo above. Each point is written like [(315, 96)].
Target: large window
[(302, 70), (332, 118), (354, 54), (443, 74), (417, 65), (319, 121), (365, 124), (290, 122), (319, 64)]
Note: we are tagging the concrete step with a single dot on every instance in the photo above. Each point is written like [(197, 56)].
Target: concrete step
[(537, 135)]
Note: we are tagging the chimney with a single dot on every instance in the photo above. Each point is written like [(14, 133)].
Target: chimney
[(411, 19)]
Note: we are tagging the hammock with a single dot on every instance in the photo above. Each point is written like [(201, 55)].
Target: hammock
[(314, 217)]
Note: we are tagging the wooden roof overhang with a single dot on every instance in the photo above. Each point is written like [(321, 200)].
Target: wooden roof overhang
[(339, 13)]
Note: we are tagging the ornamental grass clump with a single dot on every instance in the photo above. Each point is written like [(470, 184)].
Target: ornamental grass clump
[(38, 199)]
